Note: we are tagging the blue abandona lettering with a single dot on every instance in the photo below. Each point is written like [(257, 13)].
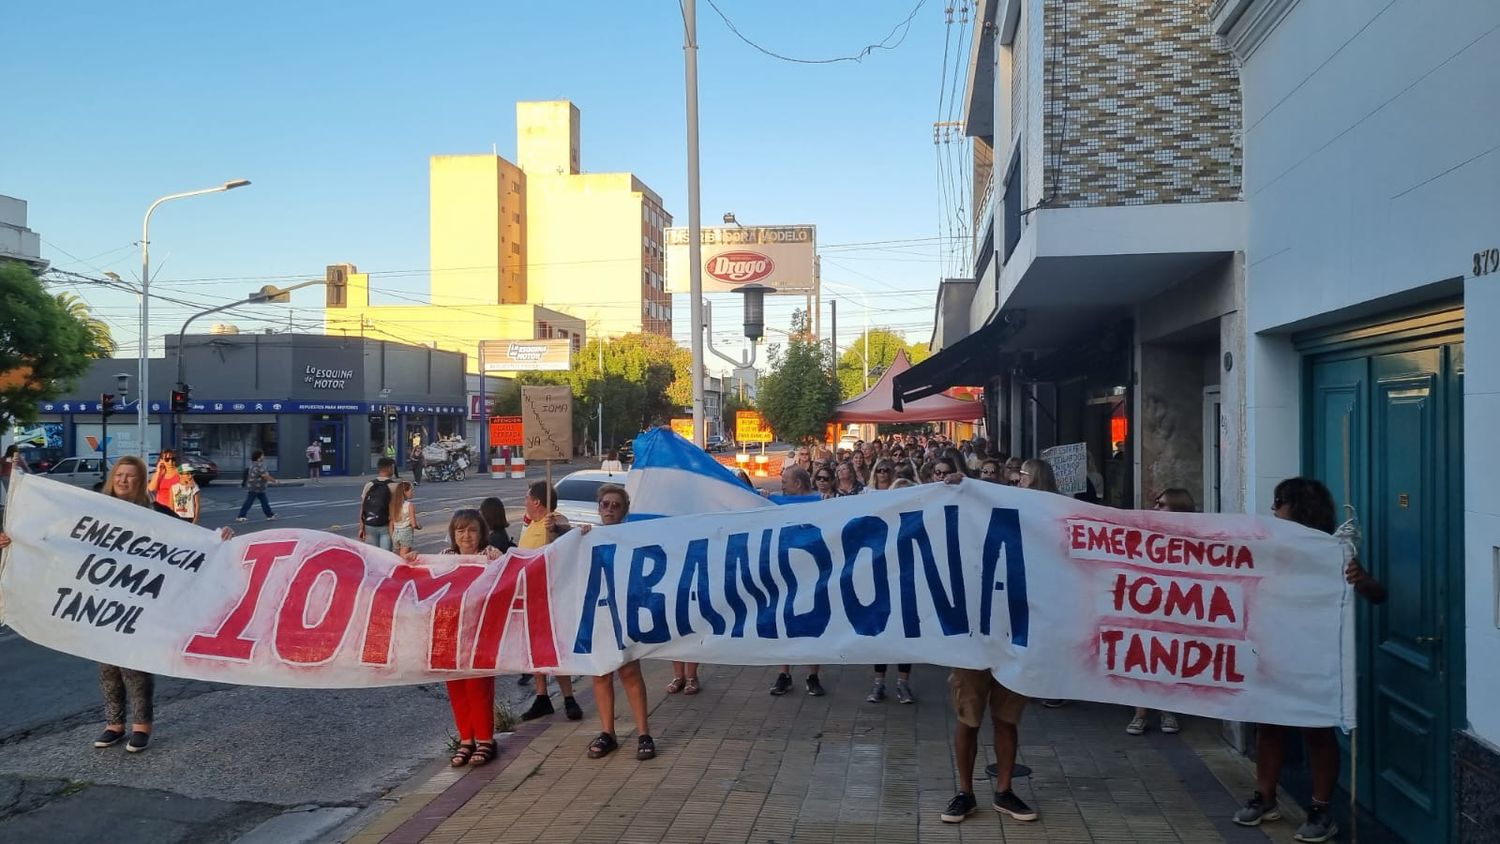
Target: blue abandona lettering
[(747, 585)]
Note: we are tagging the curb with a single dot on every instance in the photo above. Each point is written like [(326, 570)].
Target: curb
[(436, 792)]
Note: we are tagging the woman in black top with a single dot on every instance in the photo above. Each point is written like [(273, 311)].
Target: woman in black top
[(493, 511)]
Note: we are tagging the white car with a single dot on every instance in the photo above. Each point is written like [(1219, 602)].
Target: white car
[(80, 471), (577, 494)]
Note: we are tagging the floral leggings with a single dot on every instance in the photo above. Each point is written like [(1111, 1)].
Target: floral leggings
[(118, 683)]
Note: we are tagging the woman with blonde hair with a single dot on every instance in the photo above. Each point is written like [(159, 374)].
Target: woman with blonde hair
[(127, 482), (1037, 474)]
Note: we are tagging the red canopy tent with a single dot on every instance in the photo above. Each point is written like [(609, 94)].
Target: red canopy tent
[(876, 403)]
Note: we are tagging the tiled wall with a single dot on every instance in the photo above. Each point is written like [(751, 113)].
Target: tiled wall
[(1142, 105)]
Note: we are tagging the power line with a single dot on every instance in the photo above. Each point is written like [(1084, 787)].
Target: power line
[(904, 26)]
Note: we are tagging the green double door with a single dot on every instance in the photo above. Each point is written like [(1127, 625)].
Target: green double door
[(1384, 432)]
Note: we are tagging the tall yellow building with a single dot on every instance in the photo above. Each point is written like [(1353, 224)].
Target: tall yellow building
[(532, 249)]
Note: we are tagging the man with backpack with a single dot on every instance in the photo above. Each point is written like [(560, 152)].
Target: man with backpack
[(375, 506)]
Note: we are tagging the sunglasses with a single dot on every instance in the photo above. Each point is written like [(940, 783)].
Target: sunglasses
[(983, 472), (882, 471), (1025, 473), (941, 473), (824, 479)]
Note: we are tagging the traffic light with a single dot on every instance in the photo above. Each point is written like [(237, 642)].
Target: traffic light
[(180, 398), (106, 405)]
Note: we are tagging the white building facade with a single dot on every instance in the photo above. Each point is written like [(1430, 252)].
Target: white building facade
[(1372, 180), (1228, 242)]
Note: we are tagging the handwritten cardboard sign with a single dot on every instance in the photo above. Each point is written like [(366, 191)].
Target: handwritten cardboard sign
[(547, 422), (1070, 463)]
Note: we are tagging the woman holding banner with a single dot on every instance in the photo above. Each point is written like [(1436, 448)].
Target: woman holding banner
[(472, 699), (1173, 500), (1307, 502), (127, 482)]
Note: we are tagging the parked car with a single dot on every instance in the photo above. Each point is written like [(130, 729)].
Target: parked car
[(577, 494), (717, 443), (80, 471)]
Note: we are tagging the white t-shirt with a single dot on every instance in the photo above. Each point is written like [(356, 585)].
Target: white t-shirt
[(315, 453), (612, 466)]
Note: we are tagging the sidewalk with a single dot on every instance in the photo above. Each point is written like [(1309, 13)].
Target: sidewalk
[(737, 765)]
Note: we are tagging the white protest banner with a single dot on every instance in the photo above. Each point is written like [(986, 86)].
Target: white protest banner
[(1070, 463), (1227, 616)]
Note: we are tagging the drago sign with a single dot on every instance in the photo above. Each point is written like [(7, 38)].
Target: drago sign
[(780, 257)]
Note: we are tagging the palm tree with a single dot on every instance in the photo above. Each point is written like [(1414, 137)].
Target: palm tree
[(100, 343)]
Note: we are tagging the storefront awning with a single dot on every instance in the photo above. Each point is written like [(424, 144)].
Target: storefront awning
[(878, 404), (968, 363)]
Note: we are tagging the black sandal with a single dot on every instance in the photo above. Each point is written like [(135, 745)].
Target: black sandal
[(645, 748), (602, 746), (484, 753), (461, 755)]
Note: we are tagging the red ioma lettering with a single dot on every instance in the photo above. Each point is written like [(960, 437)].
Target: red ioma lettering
[(1181, 600)]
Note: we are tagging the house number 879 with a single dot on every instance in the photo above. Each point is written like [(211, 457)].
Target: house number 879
[(1486, 261)]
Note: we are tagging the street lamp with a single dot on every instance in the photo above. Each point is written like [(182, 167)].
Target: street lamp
[(143, 410), (268, 293), (866, 302)]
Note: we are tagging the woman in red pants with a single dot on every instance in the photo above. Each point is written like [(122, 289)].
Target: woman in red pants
[(472, 699)]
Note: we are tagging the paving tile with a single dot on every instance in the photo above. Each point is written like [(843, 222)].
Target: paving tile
[(736, 765)]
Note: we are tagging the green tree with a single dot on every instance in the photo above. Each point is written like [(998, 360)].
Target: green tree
[(46, 342), (884, 344), (799, 393)]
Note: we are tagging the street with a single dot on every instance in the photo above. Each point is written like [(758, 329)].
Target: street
[(225, 759)]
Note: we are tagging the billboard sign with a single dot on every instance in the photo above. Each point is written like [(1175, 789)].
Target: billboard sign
[(780, 257), (526, 355)]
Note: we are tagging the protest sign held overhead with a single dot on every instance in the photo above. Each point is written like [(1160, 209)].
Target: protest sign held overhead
[(547, 422), (1070, 464), (1059, 598)]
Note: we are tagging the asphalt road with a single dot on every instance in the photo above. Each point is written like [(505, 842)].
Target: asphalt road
[(224, 760)]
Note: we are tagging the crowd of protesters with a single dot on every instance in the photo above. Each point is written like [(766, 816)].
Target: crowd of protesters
[(388, 519)]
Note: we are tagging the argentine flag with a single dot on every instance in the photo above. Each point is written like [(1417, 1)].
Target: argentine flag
[(673, 477)]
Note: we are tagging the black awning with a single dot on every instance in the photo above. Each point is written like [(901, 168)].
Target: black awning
[(968, 363)]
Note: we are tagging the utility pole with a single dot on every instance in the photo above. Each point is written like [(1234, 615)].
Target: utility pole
[(695, 222), (833, 329)]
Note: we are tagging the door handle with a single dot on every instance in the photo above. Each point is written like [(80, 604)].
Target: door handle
[(1428, 640)]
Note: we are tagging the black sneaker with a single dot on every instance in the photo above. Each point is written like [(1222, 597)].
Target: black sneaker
[(109, 738), (1007, 803), (138, 741), (540, 707), (961, 806), (645, 748), (1319, 825), (814, 687), (783, 684), (1257, 809), (571, 707)]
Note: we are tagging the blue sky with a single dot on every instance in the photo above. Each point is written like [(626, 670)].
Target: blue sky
[(333, 109)]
